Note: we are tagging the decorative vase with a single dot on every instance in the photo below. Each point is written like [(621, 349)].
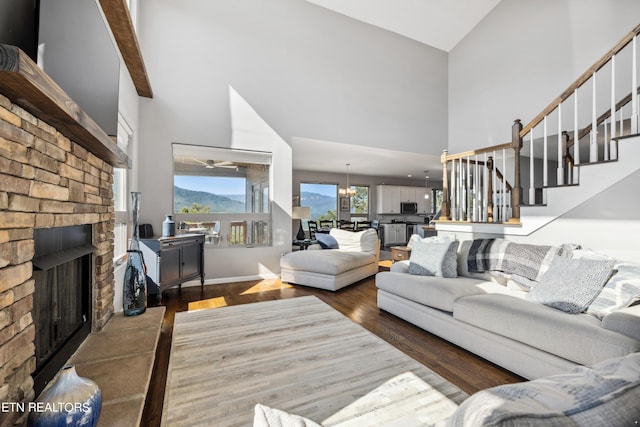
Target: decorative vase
[(135, 276), (168, 227), (70, 401)]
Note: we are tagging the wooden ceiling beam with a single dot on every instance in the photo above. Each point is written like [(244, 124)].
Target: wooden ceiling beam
[(119, 19)]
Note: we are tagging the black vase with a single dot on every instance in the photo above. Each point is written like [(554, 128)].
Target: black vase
[(135, 274)]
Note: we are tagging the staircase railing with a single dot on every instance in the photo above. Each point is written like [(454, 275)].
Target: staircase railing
[(595, 115)]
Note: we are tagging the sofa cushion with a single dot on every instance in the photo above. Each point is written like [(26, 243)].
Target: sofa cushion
[(330, 261), (621, 290), (605, 395), (434, 259), (327, 241), (435, 292), (575, 337), (360, 241), (571, 284)]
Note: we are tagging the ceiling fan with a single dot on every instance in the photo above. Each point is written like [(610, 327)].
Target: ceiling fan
[(211, 164)]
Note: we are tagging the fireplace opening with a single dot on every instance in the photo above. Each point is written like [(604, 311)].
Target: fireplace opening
[(62, 300)]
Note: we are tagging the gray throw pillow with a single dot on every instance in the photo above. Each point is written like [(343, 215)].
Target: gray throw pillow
[(571, 284), (434, 259)]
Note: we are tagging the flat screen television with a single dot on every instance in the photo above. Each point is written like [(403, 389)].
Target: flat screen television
[(19, 25)]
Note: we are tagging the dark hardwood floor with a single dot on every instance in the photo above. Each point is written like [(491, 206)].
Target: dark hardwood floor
[(358, 302)]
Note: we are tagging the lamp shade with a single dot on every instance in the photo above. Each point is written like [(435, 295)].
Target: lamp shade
[(301, 212)]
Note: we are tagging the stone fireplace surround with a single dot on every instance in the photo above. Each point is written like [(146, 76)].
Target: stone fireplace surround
[(46, 180)]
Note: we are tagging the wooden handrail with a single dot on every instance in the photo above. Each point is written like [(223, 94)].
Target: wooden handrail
[(479, 151), (581, 80)]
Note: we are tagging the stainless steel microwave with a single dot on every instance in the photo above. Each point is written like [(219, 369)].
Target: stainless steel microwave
[(408, 208)]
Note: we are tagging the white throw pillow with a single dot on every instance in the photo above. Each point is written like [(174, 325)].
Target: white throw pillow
[(359, 241)]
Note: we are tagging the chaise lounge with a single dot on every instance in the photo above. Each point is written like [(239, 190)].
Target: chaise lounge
[(343, 258)]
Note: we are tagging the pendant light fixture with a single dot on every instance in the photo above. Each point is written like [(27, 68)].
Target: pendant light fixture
[(426, 184), (347, 191)]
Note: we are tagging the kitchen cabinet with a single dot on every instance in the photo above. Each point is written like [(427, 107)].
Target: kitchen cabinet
[(394, 234), (174, 260), (389, 198)]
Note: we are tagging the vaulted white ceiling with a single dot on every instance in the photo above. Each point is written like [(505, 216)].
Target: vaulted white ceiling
[(437, 23)]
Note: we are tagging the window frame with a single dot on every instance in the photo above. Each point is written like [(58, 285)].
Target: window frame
[(354, 216), (251, 228), (121, 204)]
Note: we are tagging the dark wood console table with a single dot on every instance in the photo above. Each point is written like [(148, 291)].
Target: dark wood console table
[(173, 260)]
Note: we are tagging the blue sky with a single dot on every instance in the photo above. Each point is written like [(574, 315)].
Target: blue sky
[(211, 184)]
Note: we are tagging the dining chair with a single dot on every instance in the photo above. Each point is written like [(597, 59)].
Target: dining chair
[(362, 225), (313, 229), (346, 225)]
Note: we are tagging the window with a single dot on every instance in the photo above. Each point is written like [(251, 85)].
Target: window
[(359, 203), (120, 201), (437, 196), (223, 193), (321, 199)]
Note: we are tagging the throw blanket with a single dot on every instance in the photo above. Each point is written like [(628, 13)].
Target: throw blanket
[(528, 261), (479, 253)]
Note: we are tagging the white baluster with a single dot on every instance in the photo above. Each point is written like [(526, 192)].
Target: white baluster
[(461, 195), (504, 186), (454, 193), (485, 191), (560, 170), (468, 192), (606, 140), (545, 155), (532, 187), (613, 108), (621, 122), (593, 145), (474, 187), (576, 131), (634, 89), (477, 203), (495, 188)]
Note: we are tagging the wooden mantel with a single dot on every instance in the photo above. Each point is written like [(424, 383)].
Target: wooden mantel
[(25, 84)]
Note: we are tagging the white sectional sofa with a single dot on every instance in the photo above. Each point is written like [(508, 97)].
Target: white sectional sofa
[(356, 258), (502, 321)]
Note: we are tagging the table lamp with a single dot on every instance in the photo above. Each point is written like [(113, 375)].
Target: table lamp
[(300, 213)]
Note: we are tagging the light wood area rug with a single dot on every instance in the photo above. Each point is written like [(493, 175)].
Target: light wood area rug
[(301, 356)]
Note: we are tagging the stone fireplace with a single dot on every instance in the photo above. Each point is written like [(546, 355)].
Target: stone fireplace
[(46, 180)]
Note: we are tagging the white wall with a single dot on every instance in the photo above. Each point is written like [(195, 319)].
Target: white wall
[(521, 57), (304, 70)]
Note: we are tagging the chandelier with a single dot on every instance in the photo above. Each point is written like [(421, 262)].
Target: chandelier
[(347, 191)]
